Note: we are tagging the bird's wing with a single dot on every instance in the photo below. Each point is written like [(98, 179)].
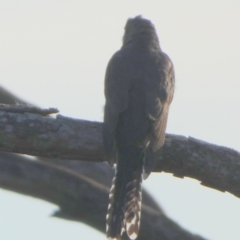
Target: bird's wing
[(117, 84), (158, 100)]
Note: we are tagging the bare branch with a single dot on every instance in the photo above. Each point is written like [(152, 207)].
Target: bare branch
[(66, 138), (27, 109), (59, 137), (214, 166), (79, 197)]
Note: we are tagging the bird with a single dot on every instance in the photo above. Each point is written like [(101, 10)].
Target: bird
[(139, 87)]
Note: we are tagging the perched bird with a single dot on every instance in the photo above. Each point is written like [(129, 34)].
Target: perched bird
[(139, 87)]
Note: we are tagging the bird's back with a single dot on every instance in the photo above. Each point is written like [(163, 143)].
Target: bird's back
[(144, 72)]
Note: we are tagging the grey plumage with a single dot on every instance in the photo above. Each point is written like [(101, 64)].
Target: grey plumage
[(139, 86)]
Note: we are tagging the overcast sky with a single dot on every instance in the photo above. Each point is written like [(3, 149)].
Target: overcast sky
[(54, 54)]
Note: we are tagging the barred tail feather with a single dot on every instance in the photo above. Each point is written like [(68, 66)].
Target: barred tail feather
[(132, 208), (113, 228), (125, 197)]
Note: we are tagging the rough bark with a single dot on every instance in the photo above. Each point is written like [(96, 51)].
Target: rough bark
[(27, 109), (65, 138)]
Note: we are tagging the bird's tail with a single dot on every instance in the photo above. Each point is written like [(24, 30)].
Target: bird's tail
[(125, 197)]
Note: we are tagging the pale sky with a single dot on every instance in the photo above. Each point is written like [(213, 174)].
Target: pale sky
[(54, 54)]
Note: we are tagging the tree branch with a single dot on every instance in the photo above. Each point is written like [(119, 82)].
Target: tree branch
[(27, 109), (59, 137), (81, 198), (65, 138), (214, 166)]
